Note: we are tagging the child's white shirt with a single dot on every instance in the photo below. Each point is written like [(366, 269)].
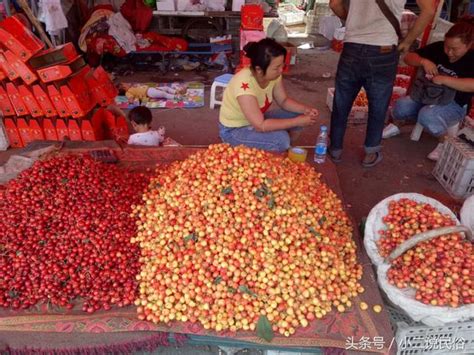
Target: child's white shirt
[(150, 138)]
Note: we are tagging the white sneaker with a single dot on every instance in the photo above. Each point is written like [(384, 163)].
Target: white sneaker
[(390, 131), (436, 153)]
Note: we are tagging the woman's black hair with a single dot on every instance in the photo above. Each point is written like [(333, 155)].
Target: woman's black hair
[(262, 52), (140, 115), (463, 29)]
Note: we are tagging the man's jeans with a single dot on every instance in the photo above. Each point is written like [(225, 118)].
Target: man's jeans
[(276, 141), (436, 119), (364, 66)]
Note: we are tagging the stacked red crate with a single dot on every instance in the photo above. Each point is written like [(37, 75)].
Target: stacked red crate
[(48, 93)]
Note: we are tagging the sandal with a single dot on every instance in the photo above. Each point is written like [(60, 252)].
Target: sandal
[(335, 157), (377, 159)]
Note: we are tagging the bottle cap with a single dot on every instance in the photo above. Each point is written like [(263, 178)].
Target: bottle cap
[(323, 128)]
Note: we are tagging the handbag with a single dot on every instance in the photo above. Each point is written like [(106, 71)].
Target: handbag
[(426, 92)]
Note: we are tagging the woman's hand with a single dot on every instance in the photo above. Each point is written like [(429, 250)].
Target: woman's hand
[(311, 111), (429, 67), (307, 120), (440, 79)]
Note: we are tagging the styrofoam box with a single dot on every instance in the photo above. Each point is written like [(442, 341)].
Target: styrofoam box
[(455, 168)]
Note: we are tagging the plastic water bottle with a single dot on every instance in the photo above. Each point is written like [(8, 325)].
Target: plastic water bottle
[(321, 145)]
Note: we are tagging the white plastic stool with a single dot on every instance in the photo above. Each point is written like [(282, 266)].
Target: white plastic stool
[(416, 132), (221, 81)]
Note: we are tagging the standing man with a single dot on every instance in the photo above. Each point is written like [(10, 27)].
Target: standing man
[(369, 60)]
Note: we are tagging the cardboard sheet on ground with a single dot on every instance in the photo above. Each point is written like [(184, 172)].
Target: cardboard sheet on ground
[(336, 330), (192, 98)]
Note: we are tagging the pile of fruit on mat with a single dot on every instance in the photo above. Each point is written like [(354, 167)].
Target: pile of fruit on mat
[(230, 238)]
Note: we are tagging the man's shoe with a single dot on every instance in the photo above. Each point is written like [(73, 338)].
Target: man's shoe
[(436, 153), (390, 131)]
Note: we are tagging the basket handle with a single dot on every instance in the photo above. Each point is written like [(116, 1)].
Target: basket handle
[(424, 236)]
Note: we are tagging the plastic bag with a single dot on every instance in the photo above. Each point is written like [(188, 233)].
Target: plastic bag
[(405, 298), (375, 223), (467, 213)]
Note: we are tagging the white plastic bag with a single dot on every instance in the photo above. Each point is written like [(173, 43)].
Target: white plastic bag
[(467, 213), (374, 222), (420, 312), (405, 298)]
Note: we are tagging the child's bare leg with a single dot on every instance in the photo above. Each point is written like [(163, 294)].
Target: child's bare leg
[(159, 94)]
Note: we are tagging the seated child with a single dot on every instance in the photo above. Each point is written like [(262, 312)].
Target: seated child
[(140, 118), (142, 92)]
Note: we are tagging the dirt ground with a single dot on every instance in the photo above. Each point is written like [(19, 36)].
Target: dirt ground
[(404, 168)]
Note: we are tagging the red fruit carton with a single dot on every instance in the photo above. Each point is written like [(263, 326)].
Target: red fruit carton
[(25, 43), (44, 101), (49, 130), (25, 131), (58, 101), (36, 130), (21, 68), (15, 99), (61, 129), (30, 102), (7, 68), (74, 131), (12, 133), (53, 56), (5, 104)]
